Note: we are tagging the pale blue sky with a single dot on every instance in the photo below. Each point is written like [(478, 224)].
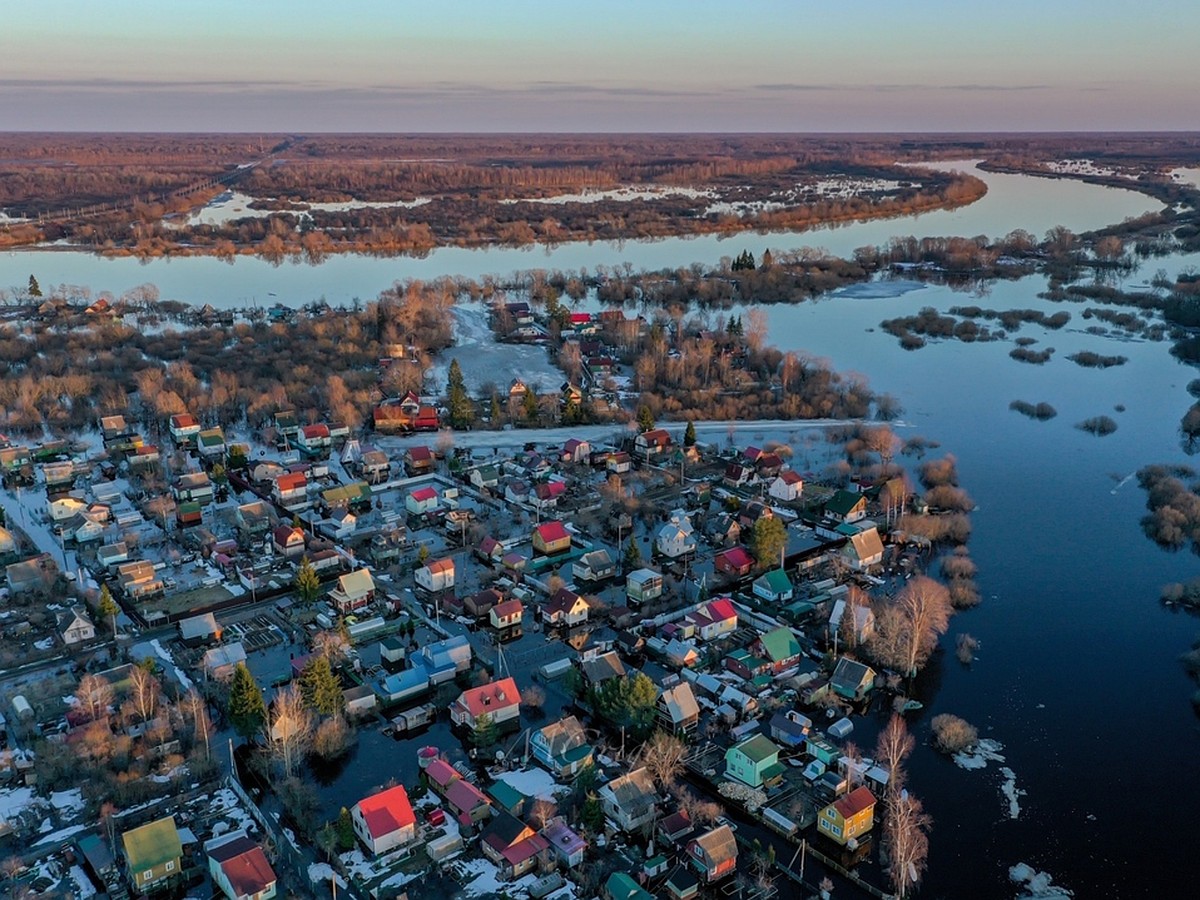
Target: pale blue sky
[(516, 65)]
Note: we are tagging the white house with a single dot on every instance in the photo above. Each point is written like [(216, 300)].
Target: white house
[(714, 619), (74, 627), (565, 608), (497, 702), (422, 501), (436, 575), (677, 537), (787, 486), (385, 820), (630, 801)]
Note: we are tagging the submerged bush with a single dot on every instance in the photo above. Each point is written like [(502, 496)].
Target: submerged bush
[(1097, 425), (1039, 411), (1090, 360), (953, 735)]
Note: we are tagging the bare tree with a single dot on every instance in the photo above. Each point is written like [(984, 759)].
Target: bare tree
[(144, 693), (663, 755), (892, 749), (197, 711), (907, 629), (94, 695), (332, 644), (906, 836), (289, 728)]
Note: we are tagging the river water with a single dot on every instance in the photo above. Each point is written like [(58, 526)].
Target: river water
[(1012, 201), (1077, 673)]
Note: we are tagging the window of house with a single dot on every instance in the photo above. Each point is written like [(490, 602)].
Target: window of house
[(170, 866), (147, 875)]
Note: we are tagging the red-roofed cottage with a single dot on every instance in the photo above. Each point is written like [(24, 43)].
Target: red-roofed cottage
[(385, 820)]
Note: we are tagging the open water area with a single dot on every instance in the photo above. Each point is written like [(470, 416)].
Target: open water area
[(1077, 675)]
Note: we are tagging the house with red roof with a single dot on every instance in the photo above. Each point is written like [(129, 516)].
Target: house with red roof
[(498, 702), (736, 561), (385, 820), (418, 461), (551, 537), (422, 501), (714, 620), (314, 440), (848, 816), (436, 576), (787, 486), (291, 491), (184, 429), (576, 451), (469, 804), (545, 496), (506, 615), (652, 443), (512, 845), (440, 775), (240, 869)]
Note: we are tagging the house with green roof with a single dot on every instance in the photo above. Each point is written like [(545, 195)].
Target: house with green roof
[(153, 853), (774, 587), (846, 506), (622, 887), (745, 664), (779, 646), (508, 798), (754, 761)]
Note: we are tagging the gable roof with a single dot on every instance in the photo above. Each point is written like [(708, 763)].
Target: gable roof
[(843, 502), (757, 748), (387, 811), (776, 581), (737, 557), (564, 735), (488, 698), (634, 791), (680, 702), (720, 610), (854, 802), (440, 566), (152, 844), (564, 600), (464, 796), (719, 844), (245, 865), (549, 532), (780, 644), (356, 583), (850, 673)]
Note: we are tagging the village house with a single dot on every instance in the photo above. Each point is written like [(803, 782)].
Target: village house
[(385, 820), (787, 486), (848, 817), (469, 804), (852, 622), (516, 491), (565, 608), (183, 429), (846, 506), (354, 590), (735, 562), (418, 461), (288, 540), (714, 620), (484, 477), (596, 565), (598, 668), (863, 550), (852, 680), (779, 647), (291, 491), (153, 854), (374, 467), (512, 845), (550, 538), (790, 728), (74, 626), (314, 441), (677, 709), (193, 486), (736, 475), (546, 495), (643, 585), (675, 828), (714, 854), (479, 604), (210, 444), (773, 586), (562, 747), (239, 868), (422, 501), (445, 659), (568, 845), (676, 538), (436, 576), (110, 556), (618, 463), (506, 615), (754, 761), (620, 886), (574, 450), (724, 530), (630, 801), (650, 445), (497, 702)]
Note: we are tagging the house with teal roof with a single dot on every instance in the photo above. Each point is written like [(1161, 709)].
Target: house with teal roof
[(754, 761), (774, 586), (778, 646)]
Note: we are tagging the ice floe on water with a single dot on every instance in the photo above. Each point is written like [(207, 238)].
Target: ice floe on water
[(1010, 790), (1036, 885), (878, 290), (986, 751)]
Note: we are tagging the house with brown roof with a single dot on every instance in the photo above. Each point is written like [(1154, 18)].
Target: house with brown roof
[(652, 444), (507, 614), (288, 540), (787, 486), (512, 845), (469, 804), (418, 461), (848, 817), (478, 605), (714, 854), (565, 608)]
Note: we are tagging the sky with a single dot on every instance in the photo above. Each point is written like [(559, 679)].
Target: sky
[(598, 66)]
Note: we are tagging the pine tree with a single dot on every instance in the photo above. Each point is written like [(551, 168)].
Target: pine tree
[(247, 711), (531, 405), (321, 688), (591, 814), (461, 411), (108, 607), (35, 289), (496, 412), (307, 584), (633, 555), (485, 733), (689, 434), (645, 419), (345, 830)]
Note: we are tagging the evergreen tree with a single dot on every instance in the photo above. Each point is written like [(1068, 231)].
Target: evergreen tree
[(461, 411), (768, 260), (485, 733), (591, 814), (247, 711), (496, 413), (633, 555), (645, 419), (237, 457), (689, 434), (629, 703), (768, 540), (345, 830), (108, 607), (530, 404), (422, 554), (321, 688), (35, 289), (307, 584)]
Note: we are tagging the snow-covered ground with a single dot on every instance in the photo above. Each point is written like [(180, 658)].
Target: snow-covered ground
[(625, 194), (878, 290), (1085, 167), (165, 655), (483, 360), (232, 205), (1187, 176), (534, 783)]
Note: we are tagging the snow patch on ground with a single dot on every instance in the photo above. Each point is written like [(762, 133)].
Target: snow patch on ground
[(1036, 885), (61, 835), (83, 885), (484, 360), (321, 873), (233, 205), (986, 751), (624, 194), (165, 655), (67, 802), (534, 783)]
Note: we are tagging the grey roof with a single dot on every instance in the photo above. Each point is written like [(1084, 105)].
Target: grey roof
[(718, 844), (633, 792), (680, 703)]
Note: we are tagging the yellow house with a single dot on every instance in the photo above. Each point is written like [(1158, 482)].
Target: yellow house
[(848, 817), (153, 853)]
